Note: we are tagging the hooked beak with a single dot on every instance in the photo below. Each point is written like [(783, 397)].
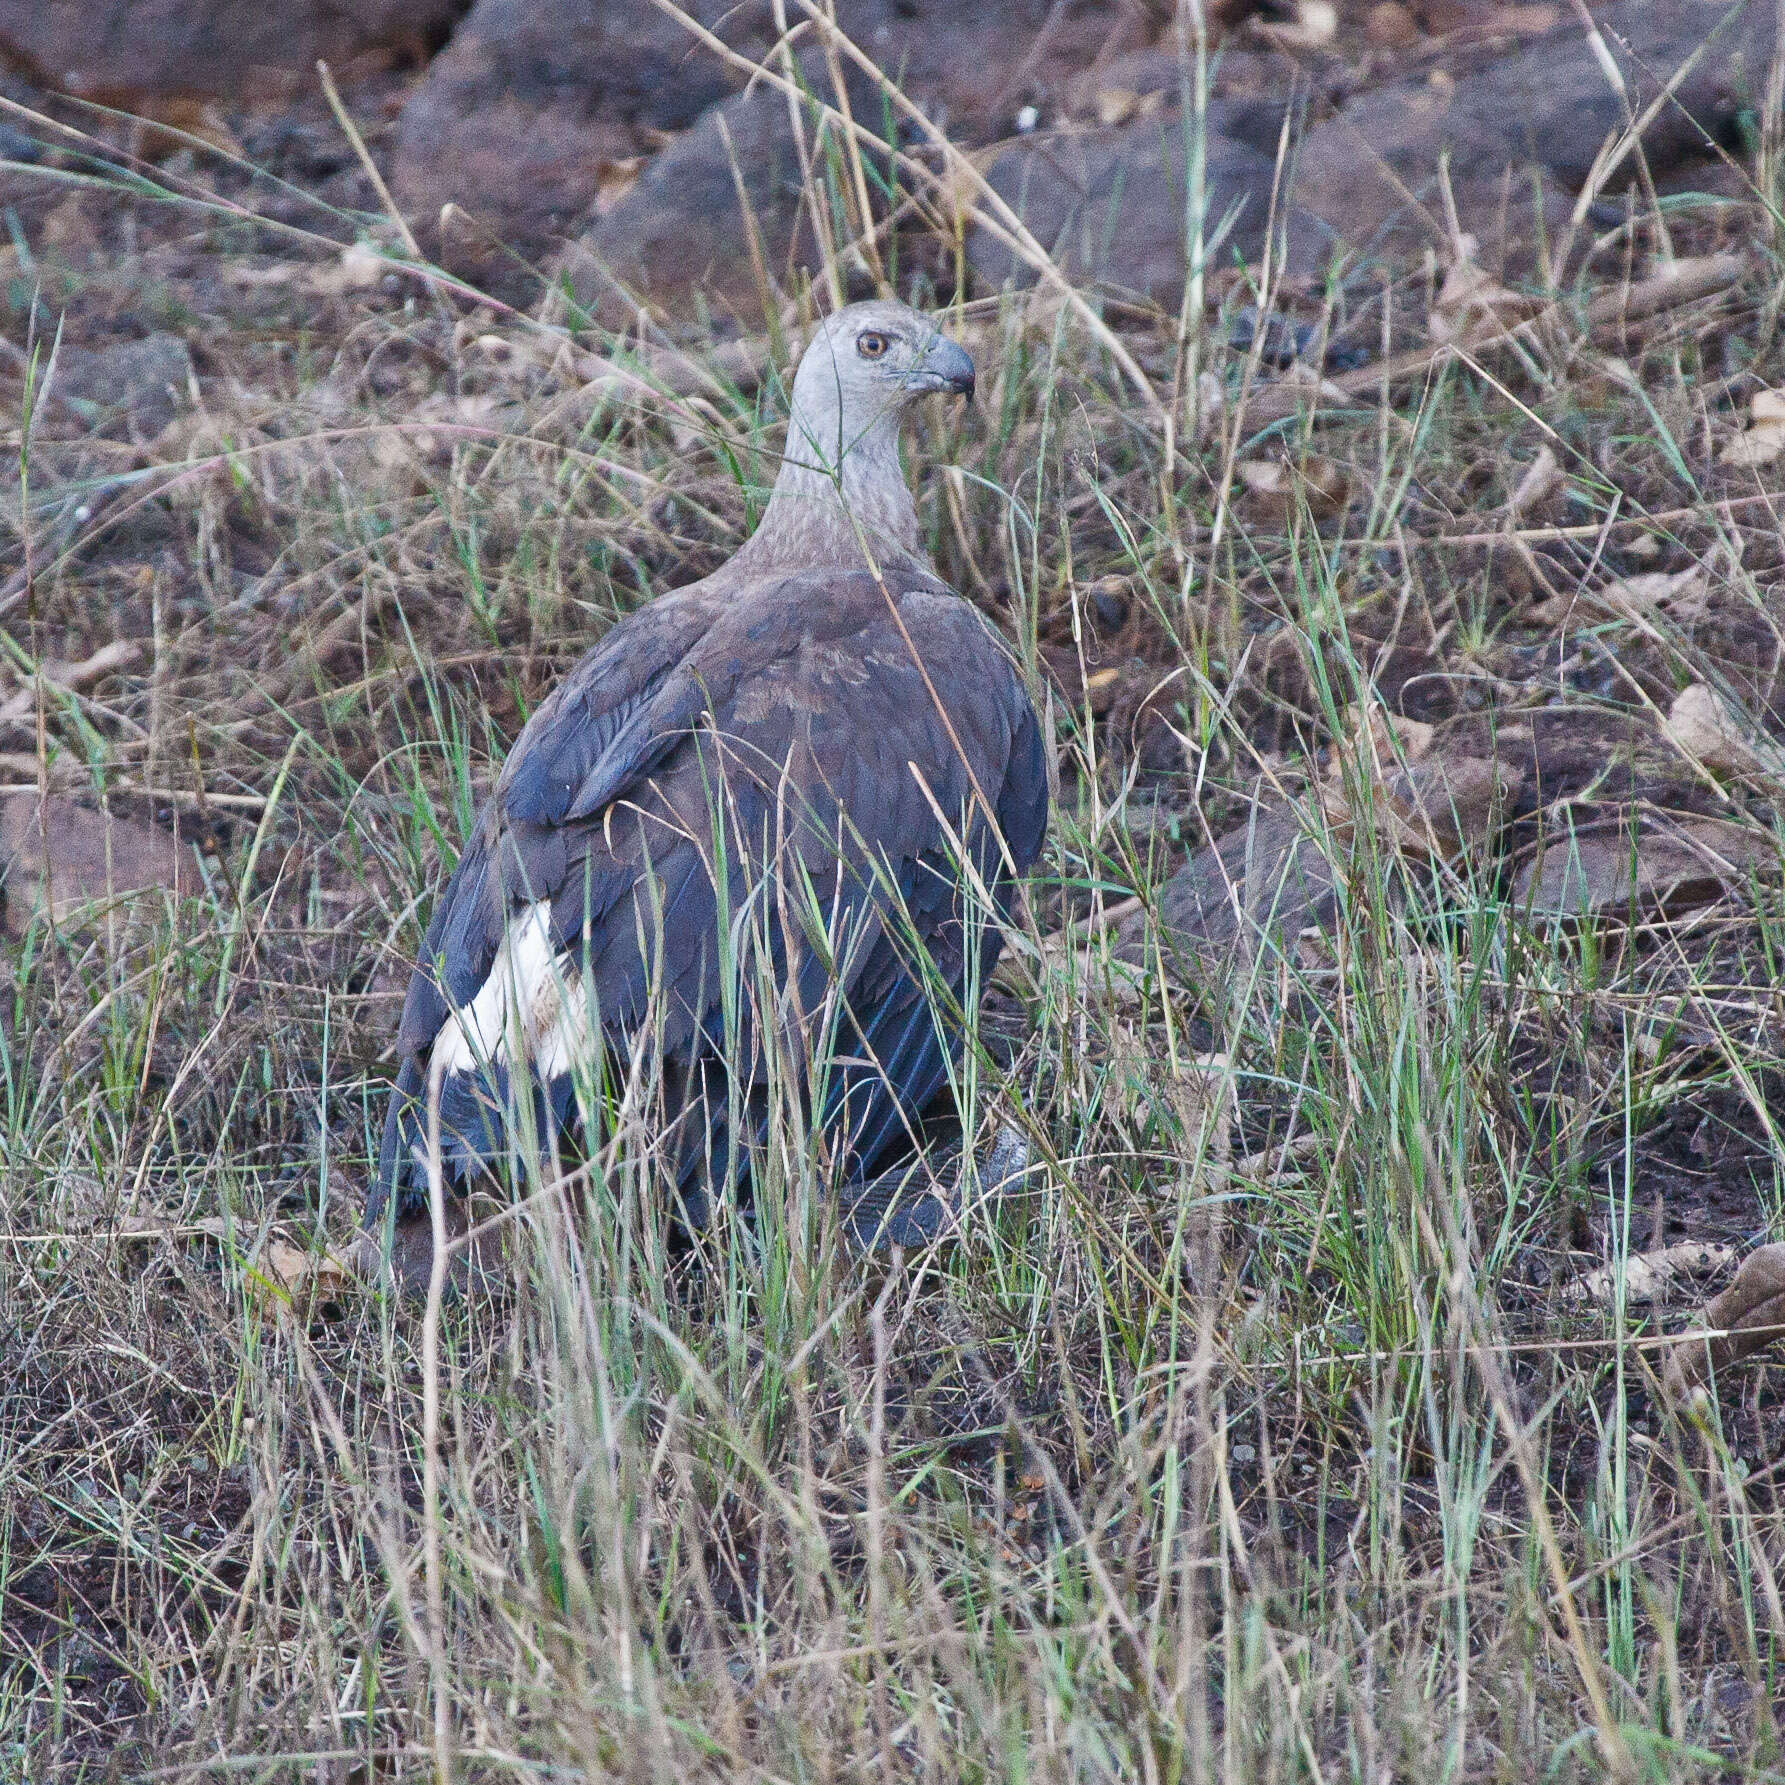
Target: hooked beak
[(944, 367)]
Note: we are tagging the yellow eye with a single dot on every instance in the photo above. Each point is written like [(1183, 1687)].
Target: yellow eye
[(871, 345)]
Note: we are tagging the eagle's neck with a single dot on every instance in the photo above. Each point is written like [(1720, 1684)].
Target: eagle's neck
[(840, 497)]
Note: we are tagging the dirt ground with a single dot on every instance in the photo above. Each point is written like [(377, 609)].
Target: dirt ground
[(1406, 955)]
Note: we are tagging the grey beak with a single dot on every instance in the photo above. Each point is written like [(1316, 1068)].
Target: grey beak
[(945, 366)]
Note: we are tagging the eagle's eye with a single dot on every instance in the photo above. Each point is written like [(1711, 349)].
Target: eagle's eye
[(871, 344)]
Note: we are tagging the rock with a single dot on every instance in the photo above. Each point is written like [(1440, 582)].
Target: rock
[(1109, 205), (977, 69), (522, 115), (1263, 883), (1546, 109), (116, 53), (479, 1251), (932, 1197), (129, 387), (1670, 864), (15, 145), (682, 230), (59, 856)]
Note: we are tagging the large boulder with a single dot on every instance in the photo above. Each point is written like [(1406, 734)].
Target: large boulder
[(125, 52), (528, 110), (1109, 205), (683, 228), (1370, 172), (1519, 132), (529, 116)]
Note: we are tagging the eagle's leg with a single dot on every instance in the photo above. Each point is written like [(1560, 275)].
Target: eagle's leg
[(925, 1199)]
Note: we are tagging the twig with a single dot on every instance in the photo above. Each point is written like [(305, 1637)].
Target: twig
[(351, 132), (70, 678)]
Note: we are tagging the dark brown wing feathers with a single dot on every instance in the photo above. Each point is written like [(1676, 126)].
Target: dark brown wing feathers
[(802, 696)]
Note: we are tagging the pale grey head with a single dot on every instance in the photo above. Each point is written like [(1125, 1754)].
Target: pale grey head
[(840, 495), (865, 363)]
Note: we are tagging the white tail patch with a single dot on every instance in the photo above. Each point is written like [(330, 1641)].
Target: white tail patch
[(533, 993)]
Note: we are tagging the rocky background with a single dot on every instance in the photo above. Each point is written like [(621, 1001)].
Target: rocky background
[(632, 153)]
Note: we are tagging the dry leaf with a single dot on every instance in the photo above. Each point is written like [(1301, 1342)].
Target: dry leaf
[(651, 370), (1114, 105), (1670, 284), (1471, 303), (1299, 375), (282, 1272), (57, 675), (296, 1274), (1101, 689), (1687, 862), (1326, 484), (1267, 482), (1392, 26), (1521, 20), (1389, 738), (1314, 26), (159, 1227), (1537, 482), (1211, 406), (1097, 974), (392, 450), (359, 267), (1749, 1314), (1630, 596), (614, 179), (1649, 589), (1764, 438), (520, 353), (1121, 105), (1273, 486), (254, 277), (1705, 728), (1652, 1276), (174, 122)]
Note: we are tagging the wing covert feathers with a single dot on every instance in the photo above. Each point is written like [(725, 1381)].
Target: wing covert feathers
[(794, 760)]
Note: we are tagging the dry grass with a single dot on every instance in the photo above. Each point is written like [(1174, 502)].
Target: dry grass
[(1258, 1439)]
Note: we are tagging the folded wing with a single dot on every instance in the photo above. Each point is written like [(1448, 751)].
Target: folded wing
[(746, 836)]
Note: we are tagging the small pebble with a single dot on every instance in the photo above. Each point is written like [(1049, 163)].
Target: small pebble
[(1111, 609)]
